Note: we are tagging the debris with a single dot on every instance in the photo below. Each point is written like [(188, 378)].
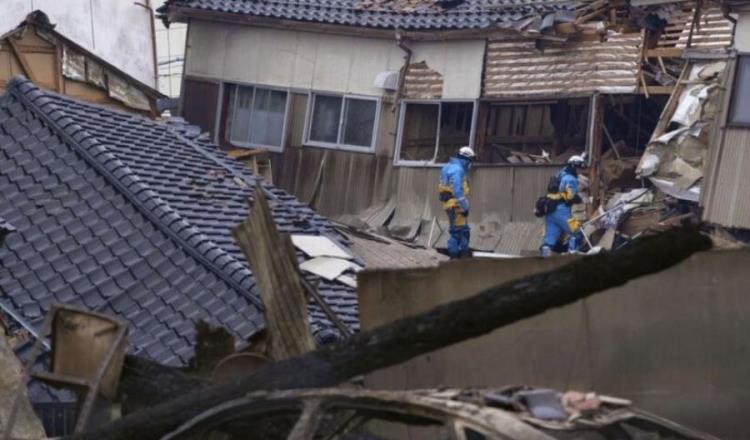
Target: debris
[(674, 159), (319, 246), (328, 267), (348, 280), (447, 413), (13, 394), (88, 351), (212, 344), (409, 337), (544, 404)]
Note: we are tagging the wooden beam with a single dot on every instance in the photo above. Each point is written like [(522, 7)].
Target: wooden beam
[(658, 90), (27, 70), (664, 52), (272, 258), (399, 341)]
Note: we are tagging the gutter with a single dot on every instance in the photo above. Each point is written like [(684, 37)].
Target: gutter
[(402, 77)]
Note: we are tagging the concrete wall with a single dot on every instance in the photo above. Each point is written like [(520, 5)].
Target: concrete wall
[(323, 62), (742, 33), (675, 343), (117, 30)]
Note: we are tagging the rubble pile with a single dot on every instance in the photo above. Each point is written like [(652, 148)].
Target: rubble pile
[(673, 161)]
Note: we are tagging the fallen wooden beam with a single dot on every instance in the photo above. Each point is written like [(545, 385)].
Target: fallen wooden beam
[(404, 339), (272, 258)]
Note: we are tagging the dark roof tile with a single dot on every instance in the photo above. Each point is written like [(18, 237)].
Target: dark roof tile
[(102, 219)]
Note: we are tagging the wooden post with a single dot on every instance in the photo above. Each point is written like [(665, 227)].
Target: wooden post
[(272, 258), (597, 120)]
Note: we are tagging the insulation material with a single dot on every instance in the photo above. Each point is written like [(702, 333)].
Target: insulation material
[(519, 68), (674, 160), (319, 246)]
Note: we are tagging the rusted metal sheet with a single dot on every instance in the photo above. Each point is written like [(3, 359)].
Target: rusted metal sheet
[(422, 82), (730, 185), (712, 31), (517, 68)]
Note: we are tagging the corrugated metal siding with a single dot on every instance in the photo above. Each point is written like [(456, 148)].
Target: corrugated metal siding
[(517, 68), (422, 82), (730, 185)]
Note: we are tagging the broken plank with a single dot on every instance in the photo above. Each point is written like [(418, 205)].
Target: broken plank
[(271, 257), (664, 52)]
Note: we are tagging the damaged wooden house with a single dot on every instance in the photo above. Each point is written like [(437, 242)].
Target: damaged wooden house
[(364, 100), (53, 61), (118, 214)]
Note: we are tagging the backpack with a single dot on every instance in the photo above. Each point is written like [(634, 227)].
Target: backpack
[(544, 205), (553, 186)]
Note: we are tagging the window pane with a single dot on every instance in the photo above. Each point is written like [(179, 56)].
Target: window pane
[(359, 122), (325, 119), (419, 135), (455, 128), (241, 114), (267, 124), (741, 96)]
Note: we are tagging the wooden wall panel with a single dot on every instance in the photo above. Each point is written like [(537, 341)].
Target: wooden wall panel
[(199, 103)]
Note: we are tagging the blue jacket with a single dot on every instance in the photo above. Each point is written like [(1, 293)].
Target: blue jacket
[(453, 180), (568, 186)]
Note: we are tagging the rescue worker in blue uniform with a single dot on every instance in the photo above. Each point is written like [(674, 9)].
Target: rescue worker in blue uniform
[(454, 190), (559, 223)]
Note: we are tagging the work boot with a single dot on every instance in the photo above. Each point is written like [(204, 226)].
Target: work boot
[(545, 251)]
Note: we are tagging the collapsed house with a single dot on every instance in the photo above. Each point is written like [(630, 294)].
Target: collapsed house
[(121, 215), (365, 100), (55, 62)]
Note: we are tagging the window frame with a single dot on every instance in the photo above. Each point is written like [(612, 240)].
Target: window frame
[(233, 107), (732, 96), (397, 161), (307, 142)]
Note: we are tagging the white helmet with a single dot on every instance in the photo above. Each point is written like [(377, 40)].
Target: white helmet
[(577, 160), (467, 152)]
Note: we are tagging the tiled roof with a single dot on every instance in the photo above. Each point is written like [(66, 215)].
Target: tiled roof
[(5, 226), (124, 215), (387, 14)]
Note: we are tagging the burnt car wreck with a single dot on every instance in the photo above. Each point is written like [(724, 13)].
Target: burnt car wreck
[(517, 413)]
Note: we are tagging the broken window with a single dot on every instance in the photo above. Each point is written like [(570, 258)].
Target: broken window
[(343, 121), (432, 132), (740, 111), (258, 117), (533, 132)]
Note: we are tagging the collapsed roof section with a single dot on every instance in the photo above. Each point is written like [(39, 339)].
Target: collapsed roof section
[(127, 216)]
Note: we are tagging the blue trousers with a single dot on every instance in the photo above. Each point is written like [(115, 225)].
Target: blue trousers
[(557, 226), (458, 243)]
